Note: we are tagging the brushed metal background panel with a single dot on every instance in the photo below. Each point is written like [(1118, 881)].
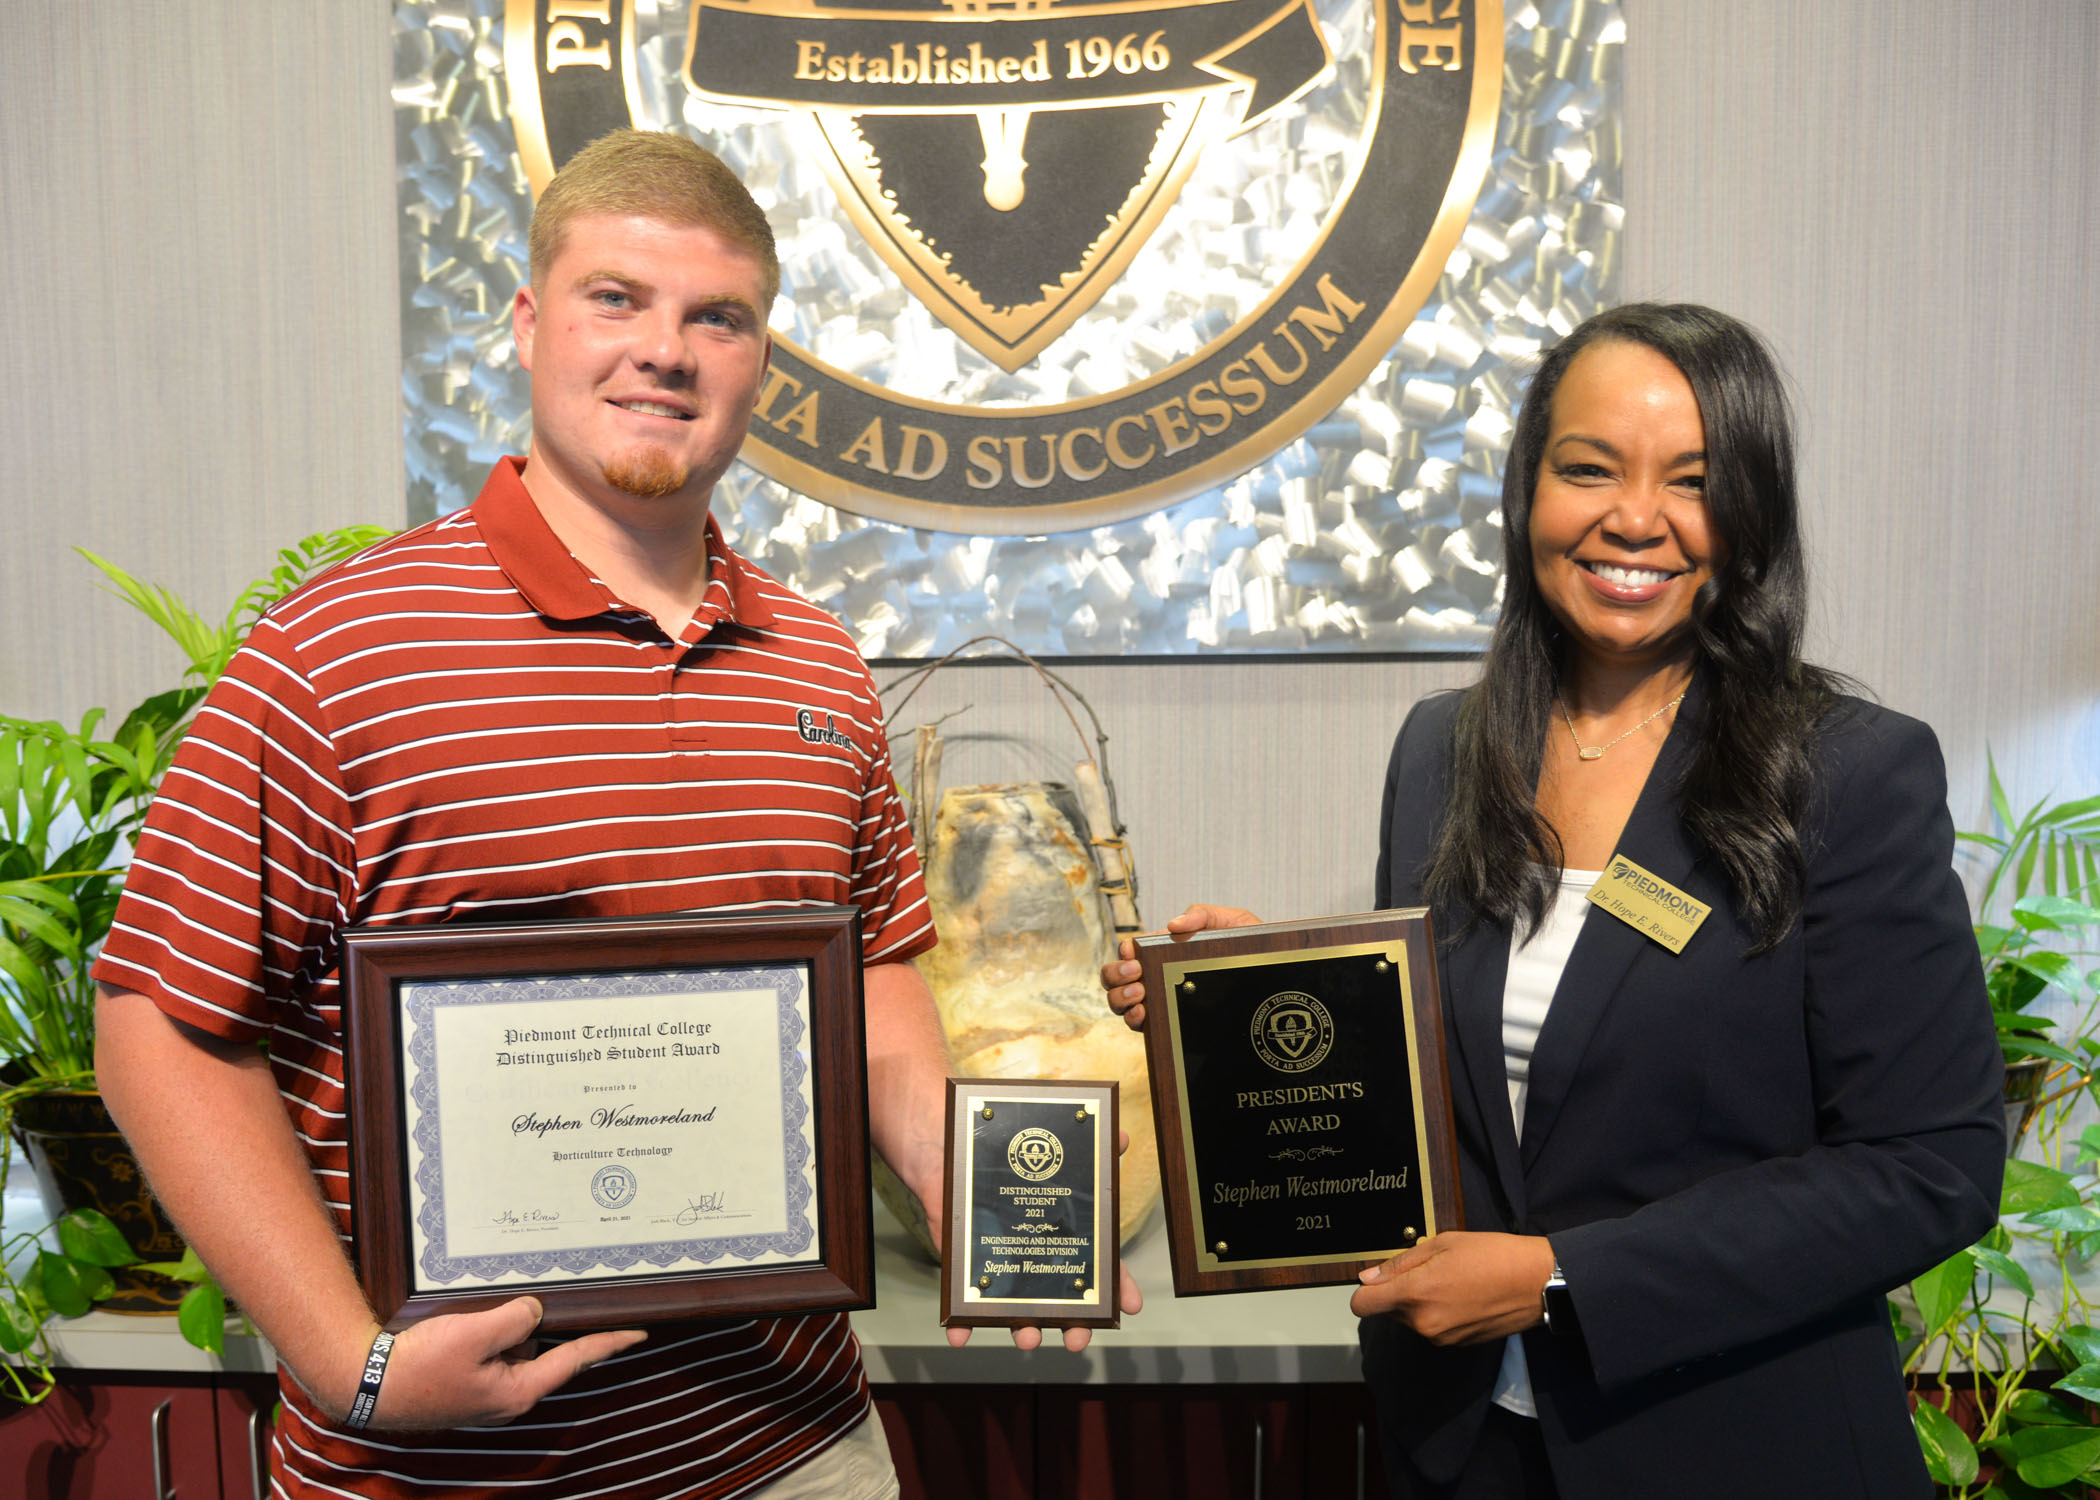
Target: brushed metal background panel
[(1373, 531)]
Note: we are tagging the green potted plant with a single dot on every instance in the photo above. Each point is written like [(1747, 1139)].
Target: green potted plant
[(71, 802), (2006, 1357)]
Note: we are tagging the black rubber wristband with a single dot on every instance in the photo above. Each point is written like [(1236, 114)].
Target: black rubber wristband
[(367, 1396)]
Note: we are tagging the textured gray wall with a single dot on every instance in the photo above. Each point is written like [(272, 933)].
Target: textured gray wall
[(198, 363), (198, 345)]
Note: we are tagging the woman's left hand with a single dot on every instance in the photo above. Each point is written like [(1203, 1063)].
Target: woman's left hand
[(1460, 1287)]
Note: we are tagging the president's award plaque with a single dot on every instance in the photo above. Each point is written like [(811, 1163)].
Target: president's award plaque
[(1299, 1087), (1030, 1206), (633, 1119)]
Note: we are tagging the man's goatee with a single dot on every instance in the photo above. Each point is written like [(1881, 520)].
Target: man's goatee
[(648, 472)]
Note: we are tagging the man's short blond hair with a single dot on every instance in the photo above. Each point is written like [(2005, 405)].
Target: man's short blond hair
[(656, 175)]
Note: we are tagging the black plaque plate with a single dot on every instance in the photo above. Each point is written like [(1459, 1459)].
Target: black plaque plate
[(1299, 1085), (1031, 1204)]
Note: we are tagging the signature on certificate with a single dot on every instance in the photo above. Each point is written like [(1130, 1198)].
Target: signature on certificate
[(511, 1218), (698, 1206)]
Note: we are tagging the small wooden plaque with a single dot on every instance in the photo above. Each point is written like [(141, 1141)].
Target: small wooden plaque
[(1029, 1204), (1301, 1097)]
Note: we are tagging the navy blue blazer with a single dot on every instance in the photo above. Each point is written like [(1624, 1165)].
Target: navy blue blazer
[(1735, 1157)]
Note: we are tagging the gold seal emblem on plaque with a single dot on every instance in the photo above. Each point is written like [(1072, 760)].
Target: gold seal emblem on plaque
[(1291, 1031), (1035, 1153)]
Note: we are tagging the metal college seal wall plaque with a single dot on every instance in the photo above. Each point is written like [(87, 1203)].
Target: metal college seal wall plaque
[(1134, 327), (1008, 159)]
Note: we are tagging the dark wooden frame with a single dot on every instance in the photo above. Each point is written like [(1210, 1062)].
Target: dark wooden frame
[(826, 938), (1439, 1162), (1107, 1216)]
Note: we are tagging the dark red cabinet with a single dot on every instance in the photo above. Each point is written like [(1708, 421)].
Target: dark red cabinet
[(157, 1437), (1082, 1442), (205, 1437)]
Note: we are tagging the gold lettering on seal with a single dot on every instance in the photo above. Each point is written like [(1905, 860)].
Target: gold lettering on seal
[(1123, 457), (800, 419), (1068, 454), (983, 454), (1016, 447), (1323, 324), (1083, 454), (566, 47), (908, 466), (869, 448), (1172, 420), (1440, 46), (1260, 355)]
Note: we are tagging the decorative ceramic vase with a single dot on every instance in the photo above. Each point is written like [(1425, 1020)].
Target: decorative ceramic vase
[(1017, 975), (81, 1160)]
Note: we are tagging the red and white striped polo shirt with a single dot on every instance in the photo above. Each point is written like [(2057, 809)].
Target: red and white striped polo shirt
[(462, 724)]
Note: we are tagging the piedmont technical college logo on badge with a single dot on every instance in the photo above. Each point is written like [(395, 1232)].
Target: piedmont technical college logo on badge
[(1014, 163)]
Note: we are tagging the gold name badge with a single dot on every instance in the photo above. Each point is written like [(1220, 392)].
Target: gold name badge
[(1647, 903)]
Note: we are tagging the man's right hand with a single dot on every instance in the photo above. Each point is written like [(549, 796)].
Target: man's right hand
[(478, 1369), (1126, 996)]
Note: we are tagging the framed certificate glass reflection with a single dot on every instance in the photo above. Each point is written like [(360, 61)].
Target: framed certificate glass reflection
[(633, 1119)]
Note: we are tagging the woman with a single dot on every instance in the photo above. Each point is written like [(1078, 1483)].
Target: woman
[(1720, 1157)]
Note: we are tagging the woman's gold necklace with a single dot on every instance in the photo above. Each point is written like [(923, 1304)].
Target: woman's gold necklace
[(1596, 752)]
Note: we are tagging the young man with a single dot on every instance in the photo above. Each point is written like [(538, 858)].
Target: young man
[(570, 699)]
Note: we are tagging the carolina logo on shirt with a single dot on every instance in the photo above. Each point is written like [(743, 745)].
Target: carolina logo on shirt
[(827, 733)]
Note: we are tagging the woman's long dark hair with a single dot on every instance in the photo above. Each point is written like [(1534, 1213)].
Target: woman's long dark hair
[(1759, 704)]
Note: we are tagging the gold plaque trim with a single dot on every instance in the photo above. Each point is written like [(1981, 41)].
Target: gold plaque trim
[(1098, 1291)]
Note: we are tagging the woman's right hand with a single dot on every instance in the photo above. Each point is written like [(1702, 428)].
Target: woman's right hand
[(1126, 997)]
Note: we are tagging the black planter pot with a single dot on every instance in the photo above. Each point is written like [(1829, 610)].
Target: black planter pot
[(81, 1160)]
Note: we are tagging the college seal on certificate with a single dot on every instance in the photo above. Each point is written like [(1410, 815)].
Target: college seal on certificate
[(613, 1187)]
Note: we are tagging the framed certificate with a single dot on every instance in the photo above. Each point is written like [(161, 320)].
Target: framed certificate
[(633, 1119), (1030, 1204), (1301, 1097)]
